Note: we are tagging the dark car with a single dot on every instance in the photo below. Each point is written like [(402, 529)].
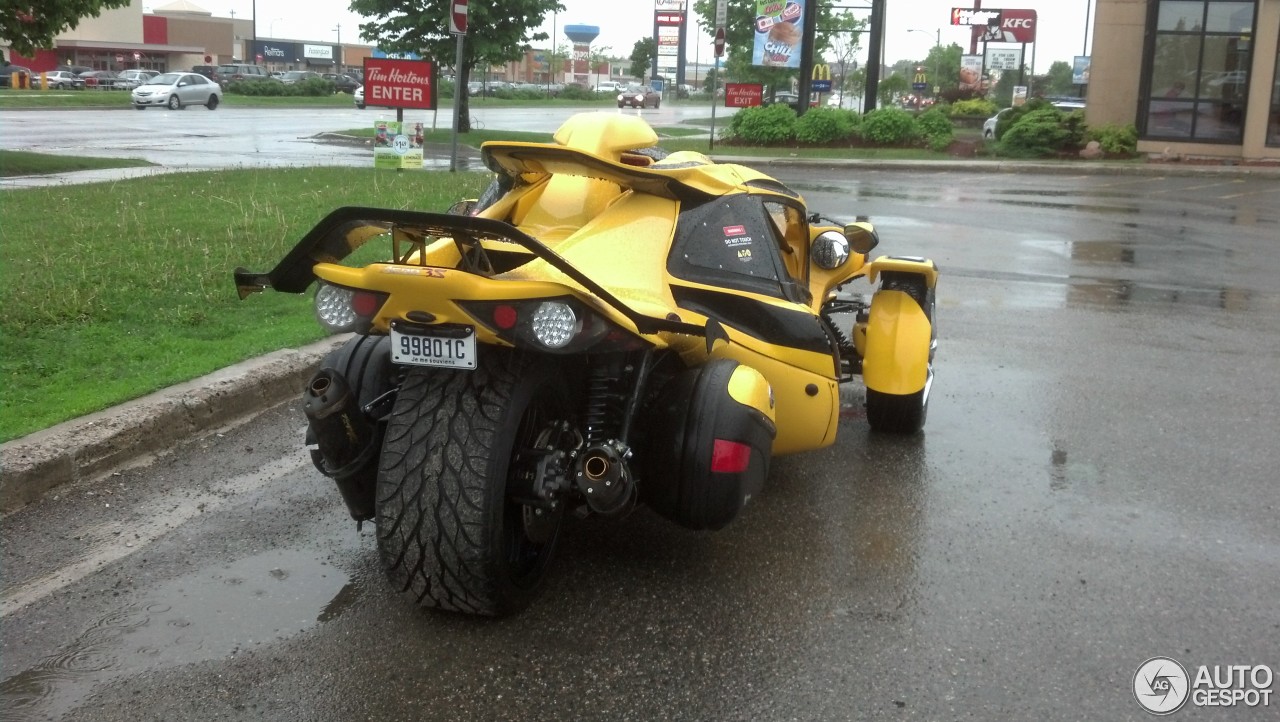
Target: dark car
[(231, 72), (8, 71), (208, 71), (298, 76), (342, 83), (639, 96), (100, 80), (791, 100)]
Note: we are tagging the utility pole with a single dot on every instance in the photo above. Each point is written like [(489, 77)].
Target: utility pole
[(875, 55)]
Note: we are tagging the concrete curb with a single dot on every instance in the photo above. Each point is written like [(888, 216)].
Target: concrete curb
[(93, 445)]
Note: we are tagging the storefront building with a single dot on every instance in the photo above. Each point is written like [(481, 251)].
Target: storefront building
[(179, 36), (1197, 77)]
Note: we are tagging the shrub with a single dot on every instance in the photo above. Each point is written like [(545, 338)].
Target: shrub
[(824, 125), (980, 107), (1116, 139), (935, 127), (888, 126), (1044, 131), (765, 125), (573, 91)]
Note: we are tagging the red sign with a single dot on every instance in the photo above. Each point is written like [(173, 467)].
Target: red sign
[(1016, 26), (972, 16), (742, 95), (458, 17), (668, 18), (395, 83), (719, 42)]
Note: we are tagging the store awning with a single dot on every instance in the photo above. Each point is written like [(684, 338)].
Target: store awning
[(319, 61)]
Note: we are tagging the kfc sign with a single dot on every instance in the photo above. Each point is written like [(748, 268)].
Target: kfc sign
[(742, 95), (1015, 26), (400, 83)]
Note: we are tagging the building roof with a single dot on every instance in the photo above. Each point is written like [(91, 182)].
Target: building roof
[(182, 6)]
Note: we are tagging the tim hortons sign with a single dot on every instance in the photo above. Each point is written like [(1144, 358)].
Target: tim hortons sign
[(400, 83)]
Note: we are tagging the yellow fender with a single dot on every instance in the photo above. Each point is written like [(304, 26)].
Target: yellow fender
[(750, 388), (899, 343)]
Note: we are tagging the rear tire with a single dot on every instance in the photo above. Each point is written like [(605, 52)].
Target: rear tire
[(448, 530), (140, 107)]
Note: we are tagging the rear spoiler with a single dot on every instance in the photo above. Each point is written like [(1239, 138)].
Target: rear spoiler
[(346, 229)]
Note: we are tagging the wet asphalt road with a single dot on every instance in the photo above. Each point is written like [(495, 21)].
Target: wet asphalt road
[(1096, 486)]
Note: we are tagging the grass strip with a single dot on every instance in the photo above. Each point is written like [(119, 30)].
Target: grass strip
[(128, 288), (21, 162)]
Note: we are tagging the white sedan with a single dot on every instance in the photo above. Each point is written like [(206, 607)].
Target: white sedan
[(176, 91)]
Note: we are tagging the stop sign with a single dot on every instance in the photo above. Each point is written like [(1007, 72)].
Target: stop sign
[(458, 17)]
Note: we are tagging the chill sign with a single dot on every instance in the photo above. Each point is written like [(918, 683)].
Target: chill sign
[(395, 83)]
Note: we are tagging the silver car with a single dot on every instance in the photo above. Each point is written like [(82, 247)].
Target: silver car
[(176, 91), (61, 79)]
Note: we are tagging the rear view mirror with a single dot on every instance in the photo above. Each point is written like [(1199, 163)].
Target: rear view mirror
[(862, 237), (830, 250)]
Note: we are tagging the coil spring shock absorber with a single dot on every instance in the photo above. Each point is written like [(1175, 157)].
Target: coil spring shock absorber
[(600, 414)]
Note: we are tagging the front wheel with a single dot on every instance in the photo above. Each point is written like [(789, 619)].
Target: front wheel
[(213, 102), (457, 454), (140, 107), (174, 103), (360, 106)]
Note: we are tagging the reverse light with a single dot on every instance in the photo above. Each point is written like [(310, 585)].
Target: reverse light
[(554, 324), (340, 309)]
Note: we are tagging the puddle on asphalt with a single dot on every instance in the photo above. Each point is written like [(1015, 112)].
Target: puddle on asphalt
[(213, 614)]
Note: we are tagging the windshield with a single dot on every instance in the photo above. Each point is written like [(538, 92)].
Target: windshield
[(166, 79)]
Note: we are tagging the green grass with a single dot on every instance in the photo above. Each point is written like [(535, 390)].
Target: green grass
[(21, 162), (130, 290)]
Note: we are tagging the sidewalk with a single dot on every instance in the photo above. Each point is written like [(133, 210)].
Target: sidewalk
[(90, 447)]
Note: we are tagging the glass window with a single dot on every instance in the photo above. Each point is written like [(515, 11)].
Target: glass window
[(1199, 70)]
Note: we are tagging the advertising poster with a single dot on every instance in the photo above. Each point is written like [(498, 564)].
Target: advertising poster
[(395, 146), (971, 76), (1080, 70), (779, 32)]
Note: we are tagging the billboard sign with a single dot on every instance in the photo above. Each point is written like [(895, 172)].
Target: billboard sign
[(400, 83), (779, 33), (1010, 59), (1015, 26), (1080, 70), (970, 16)]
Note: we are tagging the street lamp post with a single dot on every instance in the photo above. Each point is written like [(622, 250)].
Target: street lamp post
[(937, 44)]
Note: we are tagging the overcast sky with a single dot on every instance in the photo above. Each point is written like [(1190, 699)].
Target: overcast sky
[(1060, 35)]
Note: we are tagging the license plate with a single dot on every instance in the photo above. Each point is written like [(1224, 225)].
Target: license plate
[(452, 348)]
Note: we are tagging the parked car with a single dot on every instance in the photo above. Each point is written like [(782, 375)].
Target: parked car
[(609, 87), (176, 91), (790, 100), (208, 71), (989, 125), (639, 96), (7, 73), (298, 76), (60, 80), (342, 83), (99, 79), (132, 78), (231, 72), (358, 96)]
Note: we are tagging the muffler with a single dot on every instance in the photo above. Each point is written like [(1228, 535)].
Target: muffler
[(604, 479), (346, 439)]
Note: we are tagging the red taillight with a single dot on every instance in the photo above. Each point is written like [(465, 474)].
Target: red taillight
[(505, 317), (365, 304), (730, 457)]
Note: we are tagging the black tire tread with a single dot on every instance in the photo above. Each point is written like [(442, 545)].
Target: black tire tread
[(437, 512)]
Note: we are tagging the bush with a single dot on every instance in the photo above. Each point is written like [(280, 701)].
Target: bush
[(1042, 131), (308, 87), (764, 125), (935, 127), (888, 126), (824, 125), (573, 91), (1116, 139), (979, 107)]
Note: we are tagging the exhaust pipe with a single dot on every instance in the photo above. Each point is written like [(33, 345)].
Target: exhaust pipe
[(346, 439), (604, 479)]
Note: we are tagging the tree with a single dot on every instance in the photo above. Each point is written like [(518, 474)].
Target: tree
[(642, 56), (31, 26), (891, 88), (423, 26), (1058, 80), (711, 81), (599, 58)]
